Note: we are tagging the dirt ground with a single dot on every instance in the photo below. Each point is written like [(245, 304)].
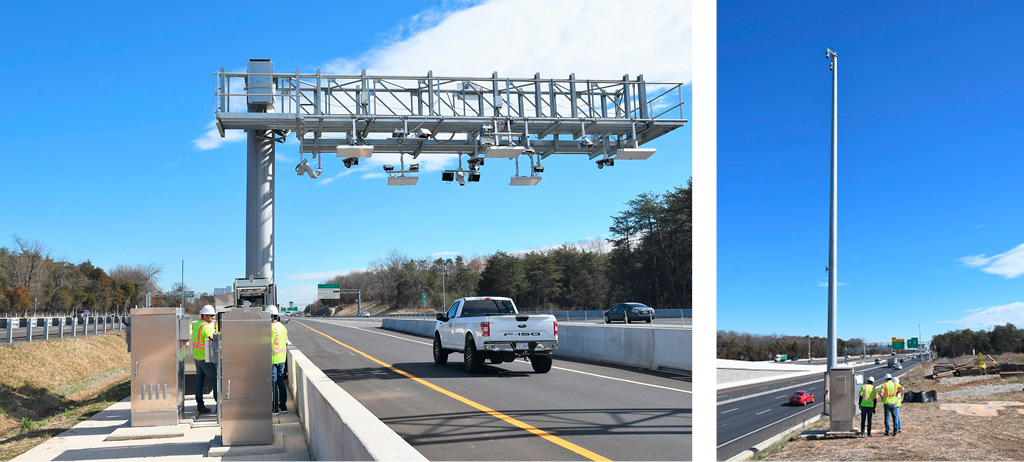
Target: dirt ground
[(48, 387), (974, 428)]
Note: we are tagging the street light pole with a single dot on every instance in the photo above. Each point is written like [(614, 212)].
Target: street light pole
[(833, 215)]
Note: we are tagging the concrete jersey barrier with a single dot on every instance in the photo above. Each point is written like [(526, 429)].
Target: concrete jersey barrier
[(650, 348), (336, 425)]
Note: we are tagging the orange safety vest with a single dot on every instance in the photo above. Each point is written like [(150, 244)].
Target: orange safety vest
[(201, 330)]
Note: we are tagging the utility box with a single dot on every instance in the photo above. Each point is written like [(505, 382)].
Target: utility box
[(842, 398), (157, 369), (260, 88), (244, 381)]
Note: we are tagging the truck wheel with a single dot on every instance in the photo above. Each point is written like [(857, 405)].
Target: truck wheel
[(440, 354), (540, 363), (649, 320), (473, 359)]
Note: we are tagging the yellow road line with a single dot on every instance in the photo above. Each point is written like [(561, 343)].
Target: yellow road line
[(480, 407)]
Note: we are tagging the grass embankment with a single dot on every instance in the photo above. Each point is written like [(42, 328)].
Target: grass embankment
[(965, 424), (49, 387)]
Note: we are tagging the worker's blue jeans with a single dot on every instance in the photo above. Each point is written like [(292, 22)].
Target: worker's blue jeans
[(280, 392), (866, 413), (895, 411), (205, 370)]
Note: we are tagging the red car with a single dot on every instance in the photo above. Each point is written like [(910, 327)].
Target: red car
[(801, 397)]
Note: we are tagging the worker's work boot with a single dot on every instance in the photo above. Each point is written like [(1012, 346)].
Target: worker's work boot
[(203, 410)]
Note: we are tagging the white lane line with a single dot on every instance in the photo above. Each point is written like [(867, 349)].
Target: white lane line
[(780, 396), (730, 410), (764, 427), (732, 400), (762, 412), (623, 380), (553, 367)]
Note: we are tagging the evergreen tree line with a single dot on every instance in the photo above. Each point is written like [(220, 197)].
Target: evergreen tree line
[(649, 262), (1001, 339), (32, 281), (757, 347)]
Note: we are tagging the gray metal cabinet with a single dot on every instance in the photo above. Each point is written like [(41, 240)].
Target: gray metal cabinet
[(157, 376), (245, 383)]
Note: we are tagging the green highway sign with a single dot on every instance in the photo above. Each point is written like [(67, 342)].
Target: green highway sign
[(898, 344), (424, 299), (328, 286), (912, 343)]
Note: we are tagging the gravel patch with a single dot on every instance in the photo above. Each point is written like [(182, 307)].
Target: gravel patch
[(963, 380), (981, 390)]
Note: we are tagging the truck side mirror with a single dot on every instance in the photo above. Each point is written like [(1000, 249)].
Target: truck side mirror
[(441, 317)]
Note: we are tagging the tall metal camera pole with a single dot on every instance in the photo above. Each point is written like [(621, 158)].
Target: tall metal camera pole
[(833, 225)]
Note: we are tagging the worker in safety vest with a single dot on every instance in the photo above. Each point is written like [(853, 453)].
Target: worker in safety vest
[(202, 330), (278, 353), (899, 404), (890, 395), (867, 404)]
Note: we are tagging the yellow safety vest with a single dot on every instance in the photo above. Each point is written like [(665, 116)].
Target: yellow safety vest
[(867, 395), (201, 330), (279, 344), (889, 393)]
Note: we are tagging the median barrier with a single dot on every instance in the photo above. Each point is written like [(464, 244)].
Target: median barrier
[(646, 347), (336, 425), (421, 327)]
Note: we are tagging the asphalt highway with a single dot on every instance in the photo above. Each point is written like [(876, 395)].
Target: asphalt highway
[(744, 421), (590, 412)]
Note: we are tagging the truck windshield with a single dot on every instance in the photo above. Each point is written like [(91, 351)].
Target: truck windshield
[(486, 307)]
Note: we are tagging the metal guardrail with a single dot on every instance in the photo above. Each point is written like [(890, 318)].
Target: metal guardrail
[(41, 328)]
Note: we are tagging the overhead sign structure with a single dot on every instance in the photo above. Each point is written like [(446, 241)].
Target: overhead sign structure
[(328, 291), (913, 343), (354, 116), (898, 344)]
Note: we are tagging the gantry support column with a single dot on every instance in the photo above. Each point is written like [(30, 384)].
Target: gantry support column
[(259, 187)]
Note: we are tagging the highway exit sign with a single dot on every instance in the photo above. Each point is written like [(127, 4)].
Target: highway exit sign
[(898, 344), (328, 291), (912, 343)]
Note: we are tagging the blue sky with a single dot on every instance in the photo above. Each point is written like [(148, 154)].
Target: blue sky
[(931, 222), (108, 155)]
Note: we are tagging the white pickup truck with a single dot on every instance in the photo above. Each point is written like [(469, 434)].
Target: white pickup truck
[(490, 328)]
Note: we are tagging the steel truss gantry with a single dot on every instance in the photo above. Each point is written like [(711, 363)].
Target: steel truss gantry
[(354, 116), (450, 115)]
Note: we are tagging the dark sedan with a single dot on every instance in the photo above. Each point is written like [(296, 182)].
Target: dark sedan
[(629, 312)]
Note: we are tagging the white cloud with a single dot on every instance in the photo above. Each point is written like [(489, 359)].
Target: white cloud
[(1009, 264), (825, 284), (212, 140), (596, 39), (994, 316), (320, 275)]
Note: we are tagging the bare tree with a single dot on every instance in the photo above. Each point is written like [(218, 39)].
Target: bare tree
[(144, 276), (30, 265)]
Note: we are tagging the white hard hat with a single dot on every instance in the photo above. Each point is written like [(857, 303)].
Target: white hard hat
[(888, 376), (208, 309), (896, 379), (271, 309), (871, 379)]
